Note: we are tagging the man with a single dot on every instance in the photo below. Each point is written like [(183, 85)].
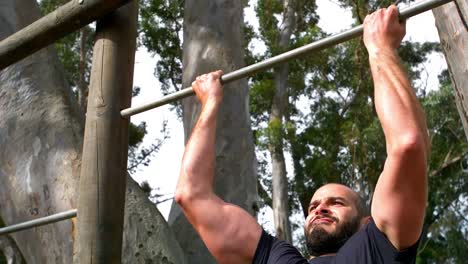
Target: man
[(337, 228)]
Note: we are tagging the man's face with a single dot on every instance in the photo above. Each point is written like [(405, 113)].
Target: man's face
[(332, 220)]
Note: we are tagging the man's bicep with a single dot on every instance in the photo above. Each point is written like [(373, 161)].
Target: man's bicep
[(399, 201), (229, 232)]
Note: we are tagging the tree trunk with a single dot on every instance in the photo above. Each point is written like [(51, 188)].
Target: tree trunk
[(280, 195), (451, 21), (213, 40), (40, 157)]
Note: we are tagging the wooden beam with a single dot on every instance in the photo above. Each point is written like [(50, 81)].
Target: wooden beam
[(59, 23), (451, 21), (104, 161)]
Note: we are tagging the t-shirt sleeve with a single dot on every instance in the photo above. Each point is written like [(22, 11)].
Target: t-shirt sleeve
[(371, 246), (384, 248), (271, 250)]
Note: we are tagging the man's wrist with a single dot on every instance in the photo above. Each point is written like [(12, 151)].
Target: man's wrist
[(379, 53), (211, 105)]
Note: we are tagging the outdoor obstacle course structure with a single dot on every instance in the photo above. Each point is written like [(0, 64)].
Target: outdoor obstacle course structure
[(103, 174)]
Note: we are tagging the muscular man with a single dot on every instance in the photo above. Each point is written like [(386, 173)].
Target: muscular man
[(337, 228)]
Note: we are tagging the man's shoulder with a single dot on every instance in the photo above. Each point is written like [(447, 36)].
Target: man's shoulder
[(370, 245), (271, 250)]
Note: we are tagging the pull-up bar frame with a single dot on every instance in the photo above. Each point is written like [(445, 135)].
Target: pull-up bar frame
[(282, 58), (50, 28), (38, 222)]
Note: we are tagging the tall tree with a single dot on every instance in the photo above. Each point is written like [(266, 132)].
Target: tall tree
[(40, 157), (276, 145), (213, 35), (276, 89), (280, 200)]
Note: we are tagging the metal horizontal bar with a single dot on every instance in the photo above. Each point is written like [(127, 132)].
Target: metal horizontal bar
[(50, 28), (38, 222), (284, 57)]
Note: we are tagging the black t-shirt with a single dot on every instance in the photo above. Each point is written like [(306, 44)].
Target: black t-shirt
[(368, 246)]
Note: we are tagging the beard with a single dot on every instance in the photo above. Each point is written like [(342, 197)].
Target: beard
[(319, 242)]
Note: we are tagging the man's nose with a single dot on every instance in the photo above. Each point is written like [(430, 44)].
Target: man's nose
[(322, 209)]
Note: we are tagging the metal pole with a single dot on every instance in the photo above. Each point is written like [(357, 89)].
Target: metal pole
[(50, 28), (284, 57), (38, 222)]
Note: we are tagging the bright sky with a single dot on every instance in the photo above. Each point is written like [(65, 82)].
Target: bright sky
[(163, 171)]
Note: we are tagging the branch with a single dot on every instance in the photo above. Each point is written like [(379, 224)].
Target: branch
[(460, 214), (164, 200), (264, 194), (426, 239), (447, 164), (349, 103), (145, 153)]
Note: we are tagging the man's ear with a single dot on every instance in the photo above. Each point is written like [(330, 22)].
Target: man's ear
[(365, 220)]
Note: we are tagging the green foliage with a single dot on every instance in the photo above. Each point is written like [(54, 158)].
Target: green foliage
[(342, 140), (145, 187), (160, 32), (266, 11), (141, 155), (445, 227), (447, 242), (261, 97), (136, 133), (333, 133), (69, 47), (275, 132)]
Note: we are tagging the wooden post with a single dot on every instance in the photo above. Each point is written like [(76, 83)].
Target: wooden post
[(50, 28), (104, 161), (451, 22)]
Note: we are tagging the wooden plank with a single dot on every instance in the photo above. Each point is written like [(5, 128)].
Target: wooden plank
[(451, 22), (45, 31), (104, 161)]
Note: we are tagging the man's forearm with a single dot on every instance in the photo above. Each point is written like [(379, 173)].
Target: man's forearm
[(197, 169), (397, 106)]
